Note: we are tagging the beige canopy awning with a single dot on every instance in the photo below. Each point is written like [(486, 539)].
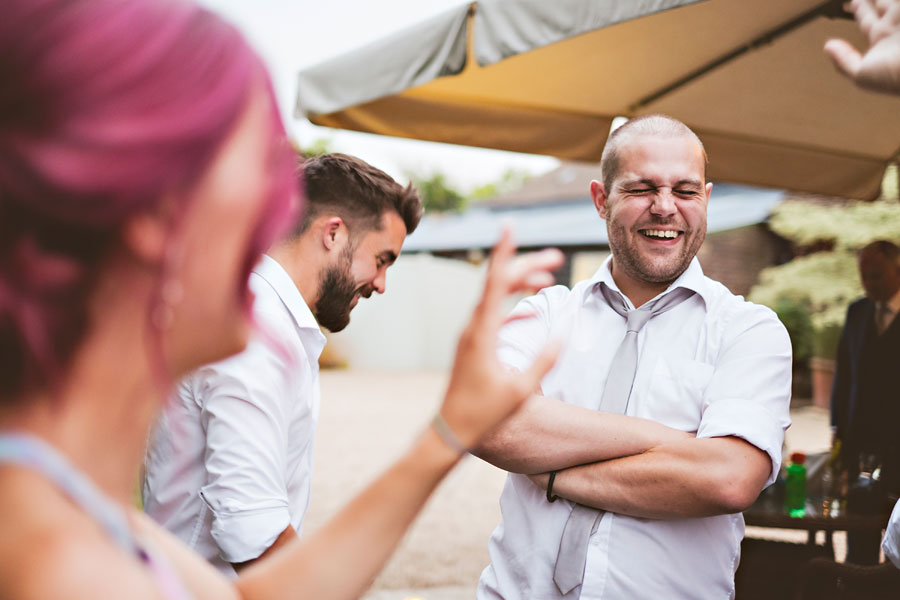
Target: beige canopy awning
[(544, 77)]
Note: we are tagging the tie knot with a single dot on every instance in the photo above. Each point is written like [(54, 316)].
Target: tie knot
[(636, 319)]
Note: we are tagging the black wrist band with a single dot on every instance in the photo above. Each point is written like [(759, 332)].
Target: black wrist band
[(550, 496)]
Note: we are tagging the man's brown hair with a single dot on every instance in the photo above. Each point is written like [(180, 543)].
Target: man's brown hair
[(357, 192)]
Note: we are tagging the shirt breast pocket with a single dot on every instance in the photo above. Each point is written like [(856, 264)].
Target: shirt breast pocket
[(675, 393)]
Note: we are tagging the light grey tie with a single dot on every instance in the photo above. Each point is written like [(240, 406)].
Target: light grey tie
[(583, 520)]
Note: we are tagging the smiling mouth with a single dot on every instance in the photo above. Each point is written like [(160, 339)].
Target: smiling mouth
[(660, 234)]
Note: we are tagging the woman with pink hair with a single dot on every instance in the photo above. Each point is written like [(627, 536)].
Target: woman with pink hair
[(143, 171)]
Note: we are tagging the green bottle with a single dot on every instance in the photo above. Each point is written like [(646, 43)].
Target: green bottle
[(795, 486)]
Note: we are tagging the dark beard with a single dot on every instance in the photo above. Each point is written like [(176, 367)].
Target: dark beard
[(642, 268), (336, 292)]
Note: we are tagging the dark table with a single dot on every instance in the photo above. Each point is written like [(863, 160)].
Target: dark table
[(768, 511)]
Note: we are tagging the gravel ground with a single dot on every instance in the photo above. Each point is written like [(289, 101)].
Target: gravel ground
[(369, 418)]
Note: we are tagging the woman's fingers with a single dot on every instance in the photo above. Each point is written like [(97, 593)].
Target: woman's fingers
[(495, 285), (519, 317), (532, 271), (508, 274), (846, 58), (531, 378), (866, 14)]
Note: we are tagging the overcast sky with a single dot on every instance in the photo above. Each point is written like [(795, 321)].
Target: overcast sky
[(291, 34)]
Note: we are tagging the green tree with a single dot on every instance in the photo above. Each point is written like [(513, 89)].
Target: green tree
[(823, 282), (437, 195), (845, 227), (317, 147), (799, 326), (510, 180)]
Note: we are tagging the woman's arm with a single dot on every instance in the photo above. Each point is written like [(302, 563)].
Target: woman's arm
[(341, 559)]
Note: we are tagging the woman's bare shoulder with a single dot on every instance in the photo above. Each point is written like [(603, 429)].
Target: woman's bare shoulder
[(52, 549)]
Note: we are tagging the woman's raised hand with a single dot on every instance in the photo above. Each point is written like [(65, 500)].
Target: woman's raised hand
[(482, 392), (878, 68)]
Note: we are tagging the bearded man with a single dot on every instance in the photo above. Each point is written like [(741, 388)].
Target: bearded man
[(229, 467), (665, 414)]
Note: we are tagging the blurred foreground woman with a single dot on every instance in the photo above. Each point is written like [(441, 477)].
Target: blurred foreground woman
[(143, 171)]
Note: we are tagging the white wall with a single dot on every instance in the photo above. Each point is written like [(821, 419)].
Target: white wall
[(415, 323)]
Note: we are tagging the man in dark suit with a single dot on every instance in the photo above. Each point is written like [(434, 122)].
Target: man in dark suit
[(877, 69), (865, 399)]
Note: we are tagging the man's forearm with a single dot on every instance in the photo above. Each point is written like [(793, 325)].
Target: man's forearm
[(549, 435), (692, 478)]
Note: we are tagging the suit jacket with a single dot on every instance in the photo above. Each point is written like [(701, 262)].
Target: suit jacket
[(865, 399)]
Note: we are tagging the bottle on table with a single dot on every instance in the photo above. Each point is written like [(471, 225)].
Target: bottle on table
[(795, 486)]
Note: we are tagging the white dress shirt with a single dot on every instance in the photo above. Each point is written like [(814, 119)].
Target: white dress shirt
[(714, 365), (891, 542), (230, 462)]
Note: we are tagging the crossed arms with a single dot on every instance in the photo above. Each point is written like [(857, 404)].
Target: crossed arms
[(641, 468), (628, 465)]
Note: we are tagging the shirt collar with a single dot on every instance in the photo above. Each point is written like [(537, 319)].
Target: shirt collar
[(692, 279), (275, 275), (894, 303)]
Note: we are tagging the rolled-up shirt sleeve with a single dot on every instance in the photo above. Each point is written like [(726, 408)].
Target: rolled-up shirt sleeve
[(750, 391), (244, 415)]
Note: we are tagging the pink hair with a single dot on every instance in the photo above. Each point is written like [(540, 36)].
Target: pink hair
[(107, 105)]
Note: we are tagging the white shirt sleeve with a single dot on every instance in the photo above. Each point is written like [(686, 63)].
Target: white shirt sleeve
[(750, 390), (523, 337), (244, 413), (891, 542)]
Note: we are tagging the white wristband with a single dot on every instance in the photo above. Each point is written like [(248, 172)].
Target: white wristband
[(445, 433)]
